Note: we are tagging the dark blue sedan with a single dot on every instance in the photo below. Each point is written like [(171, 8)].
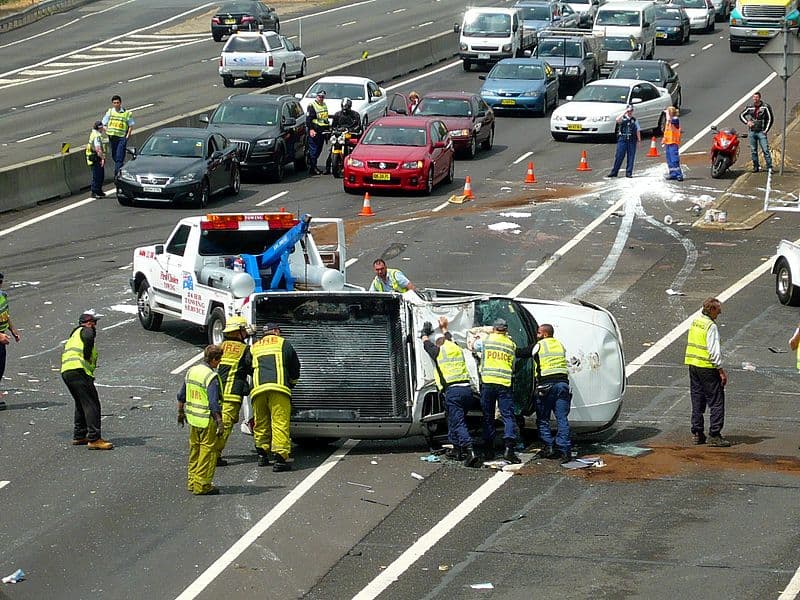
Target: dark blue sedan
[(528, 84)]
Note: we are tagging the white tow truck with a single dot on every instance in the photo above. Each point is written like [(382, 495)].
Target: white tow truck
[(218, 265)]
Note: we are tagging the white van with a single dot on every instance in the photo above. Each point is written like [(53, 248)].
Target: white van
[(629, 19)]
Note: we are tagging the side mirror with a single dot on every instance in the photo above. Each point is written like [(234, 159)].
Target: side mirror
[(482, 77), (297, 48), (131, 150), (528, 53), (439, 144), (646, 25), (203, 118), (636, 100), (216, 155), (456, 28), (288, 122), (589, 54), (299, 96), (480, 115), (714, 128), (569, 98), (159, 249)]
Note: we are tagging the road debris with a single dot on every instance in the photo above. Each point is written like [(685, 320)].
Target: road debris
[(431, 458), (748, 366), (444, 567), (481, 586), (668, 220), (514, 518), (417, 476), (374, 502), (15, 577), (671, 292), (631, 450), (363, 485), (777, 350)]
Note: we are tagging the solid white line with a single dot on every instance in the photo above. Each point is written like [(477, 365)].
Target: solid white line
[(330, 10), (33, 137), (257, 530), (793, 589), (273, 197), (423, 76), (125, 322), (186, 365), (139, 79), (425, 24), (44, 217), (558, 254), (707, 46), (40, 103), (126, 267), (350, 261), (440, 207), (399, 10), (391, 573), (521, 158), (3, 484), (143, 106)]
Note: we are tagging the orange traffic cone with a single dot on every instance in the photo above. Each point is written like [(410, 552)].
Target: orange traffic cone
[(584, 164), (530, 176), (468, 189), (653, 152), (366, 210)]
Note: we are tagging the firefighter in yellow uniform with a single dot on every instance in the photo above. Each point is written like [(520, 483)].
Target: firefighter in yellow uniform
[(199, 405), (276, 370), (234, 369)]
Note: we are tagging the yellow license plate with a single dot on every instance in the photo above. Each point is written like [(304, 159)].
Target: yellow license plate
[(381, 176), (230, 21), (254, 73), (508, 102), (763, 32), (661, 35), (575, 127)]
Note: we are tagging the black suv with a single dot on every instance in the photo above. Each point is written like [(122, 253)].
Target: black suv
[(269, 131), (243, 15)]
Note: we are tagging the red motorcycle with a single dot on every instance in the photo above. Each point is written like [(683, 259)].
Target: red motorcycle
[(724, 151)]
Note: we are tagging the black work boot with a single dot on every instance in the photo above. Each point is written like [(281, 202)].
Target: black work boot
[(511, 456), (547, 452), (263, 458), (280, 464), (471, 459), (455, 453)]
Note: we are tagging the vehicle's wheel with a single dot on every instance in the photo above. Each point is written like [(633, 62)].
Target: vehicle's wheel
[(124, 200), (149, 319), (364, 122), (466, 65), (688, 35), (719, 165), (429, 182), (787, 293), (735, 47), (277, 26), (489, 141), (472, 147), (314, 443), (350, 190), (559, 137), (300, 164), (679, 100), (282, 74), (204, 195), (227, 81), (216, 324), (659, 129), (451, 172), (302, 72), (337, 165), (279, 170), (217, 37), (236, 181), (710, 27)]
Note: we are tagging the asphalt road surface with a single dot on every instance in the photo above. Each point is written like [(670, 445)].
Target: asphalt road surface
[(680, 522)]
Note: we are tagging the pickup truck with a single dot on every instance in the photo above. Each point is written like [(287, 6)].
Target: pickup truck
[(255, 56), (487, 35), (215, 266), (786, 269), (576, 55), (367, 375)]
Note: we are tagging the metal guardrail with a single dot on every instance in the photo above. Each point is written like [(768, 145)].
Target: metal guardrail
[(38, 11)]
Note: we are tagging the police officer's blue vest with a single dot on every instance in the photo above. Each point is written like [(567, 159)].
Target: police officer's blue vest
[(627, 129)]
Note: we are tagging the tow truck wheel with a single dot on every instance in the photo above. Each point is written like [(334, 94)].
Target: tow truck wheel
[(150, 320), (788, 294), (216, 323)]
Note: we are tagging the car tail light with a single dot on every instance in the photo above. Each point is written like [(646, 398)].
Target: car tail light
[(220, 61), (271, 61), (215, 20), (248, 19)]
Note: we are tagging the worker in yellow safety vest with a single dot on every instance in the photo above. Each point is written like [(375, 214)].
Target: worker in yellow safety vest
[(96, 150), (318, 125), (389, 280), (119, 126), (199, 405), (707, 378), (234, 369), (672, 143), (276, 370), (7, 331), (554, 396)]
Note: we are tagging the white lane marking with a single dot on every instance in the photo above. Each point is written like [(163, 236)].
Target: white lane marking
[(126, 267), (707, 46), (392, 223), (313, 57), (273, 197), (441, 206), (330, 10), (267, 521), (423, 76), (139, 79), (125, 322), (793, 589), (33, 137), (425, 24), (558, 254), (398, 10), (3, 484), (521, 158), (186, 365), (347, 23), (142, 107), (375, 39), (724, 115), (391, 573), (48, 101), (44, 217), (350, 261), (675, 65)]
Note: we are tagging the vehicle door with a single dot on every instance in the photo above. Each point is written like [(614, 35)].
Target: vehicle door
[(437, 154), (595, 358), (299, 129), (167, 284), (377, 101), (229, 152), (569, 18), (648, 108), (484, 117), (398, 105), (550, 83), (294, 59), (214, 164), (288, 131), (671, 80)]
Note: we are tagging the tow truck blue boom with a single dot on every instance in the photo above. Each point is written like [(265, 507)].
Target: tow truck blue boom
[(276, 259)]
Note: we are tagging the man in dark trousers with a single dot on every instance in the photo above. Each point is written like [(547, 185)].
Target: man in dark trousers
[(758, 118), (78, 362), (318, 126), (7, 331), (628, 136), (554, 395), (707, 378), (96, 150)]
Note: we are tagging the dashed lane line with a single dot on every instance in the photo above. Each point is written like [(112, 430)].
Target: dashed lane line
[(707, 46), (33, 137), (273, 197), (521, 158), (3, 484)]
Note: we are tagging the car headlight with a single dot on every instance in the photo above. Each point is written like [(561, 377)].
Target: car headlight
[(724, 143), (126, 175), (265, 143), (572, 70), (737, 22), (354, 162), (459, 133), (532, 94), (414, 164), (463, 47), (507, 48), (187, 178), (600, 118)]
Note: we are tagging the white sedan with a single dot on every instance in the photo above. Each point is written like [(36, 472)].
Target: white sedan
[(594, 109), (369, 100)]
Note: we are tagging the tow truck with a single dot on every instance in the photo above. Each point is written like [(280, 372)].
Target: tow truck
[(215, 266)]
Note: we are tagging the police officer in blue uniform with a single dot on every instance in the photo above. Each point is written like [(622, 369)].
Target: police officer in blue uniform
[(628, 136)]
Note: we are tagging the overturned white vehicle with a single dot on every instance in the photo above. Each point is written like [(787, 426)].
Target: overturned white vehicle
[(366, 374)]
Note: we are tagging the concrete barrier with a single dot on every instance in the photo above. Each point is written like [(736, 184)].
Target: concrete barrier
[(38, 11), (27, 184)]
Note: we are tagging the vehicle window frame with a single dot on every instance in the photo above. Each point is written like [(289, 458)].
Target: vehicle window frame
[(210, 146), (175, 246)]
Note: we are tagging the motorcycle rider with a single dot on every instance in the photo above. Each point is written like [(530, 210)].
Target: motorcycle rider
[(347, 118)]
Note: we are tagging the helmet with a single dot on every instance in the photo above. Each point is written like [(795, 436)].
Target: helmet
[(347, 104), (235, 323)]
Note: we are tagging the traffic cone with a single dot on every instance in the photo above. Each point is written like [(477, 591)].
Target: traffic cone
[(584, 164), (468, 189), (530, 177), (366, 209), (653, 152)]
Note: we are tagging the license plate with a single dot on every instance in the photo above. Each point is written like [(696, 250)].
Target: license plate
[(508, 101), (483, 57), (575, 127), (338, 151), (661, 35), (763, 32), (230, 21), (152, 189), (381, 176), (254, 73)]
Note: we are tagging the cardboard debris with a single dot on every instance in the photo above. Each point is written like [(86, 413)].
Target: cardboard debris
[(458, 199)]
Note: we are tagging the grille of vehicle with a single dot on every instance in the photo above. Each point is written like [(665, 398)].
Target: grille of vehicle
[(351, 355), (153, 180), (508, 94), (764, 12), (575, 118), (242, 147), (485, 48), (375, 164)]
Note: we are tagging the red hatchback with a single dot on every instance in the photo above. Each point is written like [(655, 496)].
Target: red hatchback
[(401, 153)]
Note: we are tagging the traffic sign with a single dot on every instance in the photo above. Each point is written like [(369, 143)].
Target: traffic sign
[(782, 53)]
